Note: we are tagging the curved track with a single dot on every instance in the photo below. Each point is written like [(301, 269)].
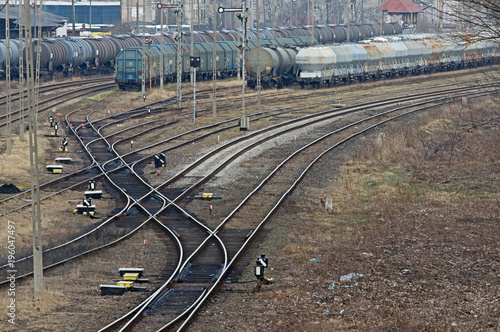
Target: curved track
[(204, 254)]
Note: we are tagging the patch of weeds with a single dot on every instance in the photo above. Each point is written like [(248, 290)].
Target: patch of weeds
[(103, 95)]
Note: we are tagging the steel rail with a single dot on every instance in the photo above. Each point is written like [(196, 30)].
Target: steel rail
[(55, 86), (80, 92), (295, 183), (215, 231), (187, 169)]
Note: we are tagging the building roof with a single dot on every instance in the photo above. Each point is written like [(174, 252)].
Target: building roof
[(401, 7), (48, 19)]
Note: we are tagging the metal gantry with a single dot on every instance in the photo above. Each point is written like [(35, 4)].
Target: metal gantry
[(178, 7)]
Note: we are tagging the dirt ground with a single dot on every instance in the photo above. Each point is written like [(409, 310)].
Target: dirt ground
[(400, 233), (410, 213)]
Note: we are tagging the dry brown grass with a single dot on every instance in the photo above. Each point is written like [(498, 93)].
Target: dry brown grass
[(424, 231), (15, 168), (29, 307)]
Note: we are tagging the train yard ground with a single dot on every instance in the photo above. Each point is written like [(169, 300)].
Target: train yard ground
[(413, 207)]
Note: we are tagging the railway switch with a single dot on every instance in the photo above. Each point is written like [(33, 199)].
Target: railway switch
[(51, 120)]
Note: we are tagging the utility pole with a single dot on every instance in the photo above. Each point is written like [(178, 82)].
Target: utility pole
[(348, 20), (273, 13), (257, 17), (192, 70), (162, 50), (36, 216), (143, 86), (21, 74), (214, 62), (137, 14), (73, 19), (90, 11), (179, 53), (381, 17), (312, 22), (178, 11), (7, 69), (242, 14)]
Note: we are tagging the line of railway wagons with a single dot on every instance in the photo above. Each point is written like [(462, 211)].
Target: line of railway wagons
[(89, 55), (285, 61), (401, 56), (129, 63)]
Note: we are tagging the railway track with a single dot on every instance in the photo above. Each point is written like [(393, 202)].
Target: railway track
[(54, 86), (155, 205), (52, 101), (190, 270), (187, 142)]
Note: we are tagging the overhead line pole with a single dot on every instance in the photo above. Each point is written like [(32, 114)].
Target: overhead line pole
[(214, 62), (143, 86), (34, 173), (179, 54), (178, 11), (191, 21), (7, 69), (73, 15), (21, 73), (242, 14), (162, 50), (257, 16)]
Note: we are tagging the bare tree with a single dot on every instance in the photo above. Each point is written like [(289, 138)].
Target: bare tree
[(480, 19)]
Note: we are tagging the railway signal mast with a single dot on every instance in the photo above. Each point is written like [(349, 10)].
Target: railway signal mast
[(178, 38), (242, 15)]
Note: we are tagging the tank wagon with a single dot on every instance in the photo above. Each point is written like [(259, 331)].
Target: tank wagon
[(277, 64), (129, 63), (413, 55), (89, 55), (14, 56)]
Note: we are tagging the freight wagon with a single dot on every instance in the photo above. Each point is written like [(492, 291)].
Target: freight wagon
[(89, 55), (413, 55)]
